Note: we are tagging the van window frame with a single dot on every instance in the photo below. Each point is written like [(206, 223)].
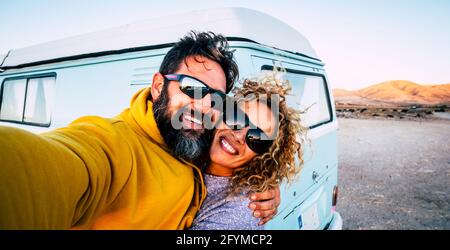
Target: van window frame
[(27, 77), (301, 72)]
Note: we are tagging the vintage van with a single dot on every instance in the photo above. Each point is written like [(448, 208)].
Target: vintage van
[(48, 85)]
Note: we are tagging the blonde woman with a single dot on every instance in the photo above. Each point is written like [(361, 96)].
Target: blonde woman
[(252, 150)]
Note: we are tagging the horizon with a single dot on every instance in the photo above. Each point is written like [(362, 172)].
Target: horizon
[(362, 43), (388, 81)]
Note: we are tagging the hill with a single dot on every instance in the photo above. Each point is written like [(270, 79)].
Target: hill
[(396, 92)]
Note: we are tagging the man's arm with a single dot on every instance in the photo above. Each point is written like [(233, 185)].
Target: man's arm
[(40, 182), (265, 204), (57, 180)]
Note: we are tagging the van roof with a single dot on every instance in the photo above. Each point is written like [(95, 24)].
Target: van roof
[(234, 23)]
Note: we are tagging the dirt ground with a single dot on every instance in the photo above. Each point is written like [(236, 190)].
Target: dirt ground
[(394, 174)]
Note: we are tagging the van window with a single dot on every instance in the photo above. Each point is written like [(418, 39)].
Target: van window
[(13, 100), (28, 100), (309, 93)]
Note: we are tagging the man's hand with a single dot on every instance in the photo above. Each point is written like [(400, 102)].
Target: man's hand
[(265, 204)]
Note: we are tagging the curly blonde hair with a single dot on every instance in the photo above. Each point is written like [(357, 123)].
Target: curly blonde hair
[(269, 169)]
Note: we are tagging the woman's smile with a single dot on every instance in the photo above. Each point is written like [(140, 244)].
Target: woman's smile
[(227, 146)]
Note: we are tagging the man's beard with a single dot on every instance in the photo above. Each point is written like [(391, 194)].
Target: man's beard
[(187, 144)]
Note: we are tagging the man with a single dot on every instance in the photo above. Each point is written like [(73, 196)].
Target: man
[(132, 171)]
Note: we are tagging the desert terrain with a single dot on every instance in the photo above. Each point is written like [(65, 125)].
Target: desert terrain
[(394, 174), (394, 156), (394, 100)]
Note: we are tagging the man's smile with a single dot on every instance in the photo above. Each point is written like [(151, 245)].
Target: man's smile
[(191, 122)]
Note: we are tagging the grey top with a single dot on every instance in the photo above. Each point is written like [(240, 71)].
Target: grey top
[(222, 212)]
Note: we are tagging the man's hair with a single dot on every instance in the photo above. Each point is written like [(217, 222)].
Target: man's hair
[(206, 44)]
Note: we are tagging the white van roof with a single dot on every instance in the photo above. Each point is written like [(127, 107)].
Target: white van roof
[(240, 23)]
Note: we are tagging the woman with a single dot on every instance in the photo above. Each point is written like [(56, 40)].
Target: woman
[(251, 152)]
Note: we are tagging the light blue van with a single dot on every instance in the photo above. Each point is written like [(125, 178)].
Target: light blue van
[(48, 85)]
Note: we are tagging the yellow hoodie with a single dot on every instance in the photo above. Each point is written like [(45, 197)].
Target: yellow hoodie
[(97, 173)]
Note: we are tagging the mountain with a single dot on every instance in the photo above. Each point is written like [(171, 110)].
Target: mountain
[(396, 92)]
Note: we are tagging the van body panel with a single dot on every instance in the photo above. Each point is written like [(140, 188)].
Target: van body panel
[(310, 210)]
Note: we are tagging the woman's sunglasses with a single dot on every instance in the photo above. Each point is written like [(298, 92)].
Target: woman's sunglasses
[(256, 139), (193, 87)]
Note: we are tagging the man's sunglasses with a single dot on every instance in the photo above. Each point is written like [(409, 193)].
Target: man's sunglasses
[(193, 87), (256, 139)]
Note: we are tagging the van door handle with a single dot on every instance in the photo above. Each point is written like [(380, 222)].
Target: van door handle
[(315, 176)]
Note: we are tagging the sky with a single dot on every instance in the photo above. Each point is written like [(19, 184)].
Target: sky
[(361, 42)]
